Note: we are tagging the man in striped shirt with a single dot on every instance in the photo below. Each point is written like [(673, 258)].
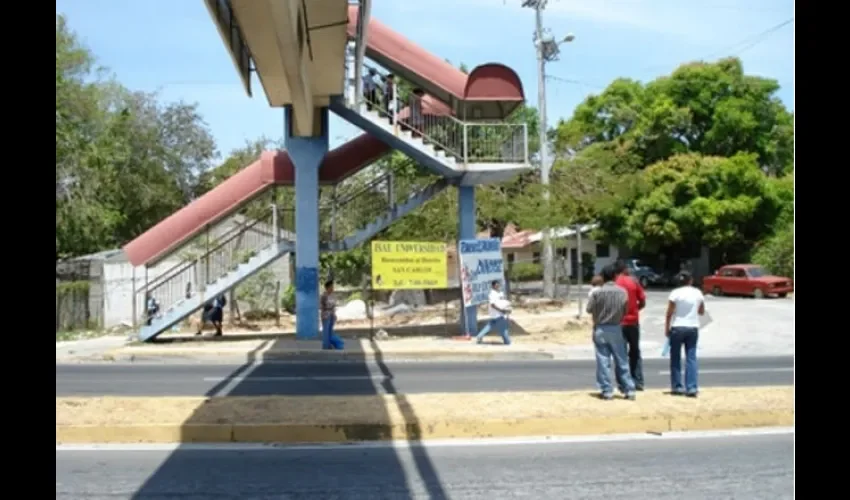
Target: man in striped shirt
[(607, 306)]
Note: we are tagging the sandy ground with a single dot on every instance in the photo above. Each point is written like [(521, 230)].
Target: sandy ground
[(423, 408), (534, 323)]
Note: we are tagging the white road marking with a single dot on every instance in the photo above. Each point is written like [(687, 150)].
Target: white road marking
[(318, 378), (436, 443), (738, 370)]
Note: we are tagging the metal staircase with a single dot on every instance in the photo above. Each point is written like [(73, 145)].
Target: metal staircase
[(208, 269), (424, 129)]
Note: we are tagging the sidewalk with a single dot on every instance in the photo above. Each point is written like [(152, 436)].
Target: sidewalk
[(69, 350), (257, 350)]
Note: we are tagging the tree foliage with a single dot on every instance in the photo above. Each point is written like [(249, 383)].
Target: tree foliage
[(708, 108), (124, 160), (707, 154), (776, 253), (693, 199)]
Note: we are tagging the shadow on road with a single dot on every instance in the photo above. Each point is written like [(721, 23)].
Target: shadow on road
[(385, 477)]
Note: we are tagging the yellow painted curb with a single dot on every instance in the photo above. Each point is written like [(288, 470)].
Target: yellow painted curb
[(296, 433)]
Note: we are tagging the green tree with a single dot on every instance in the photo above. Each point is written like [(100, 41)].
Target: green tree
[(723, 203), (776, 253), (709, 108), (123, 160)]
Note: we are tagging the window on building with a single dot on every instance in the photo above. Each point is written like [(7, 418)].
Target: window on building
[(511, 257), (535, 257), (562, 253), (603, 250)]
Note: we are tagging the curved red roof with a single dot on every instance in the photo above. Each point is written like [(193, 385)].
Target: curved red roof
[(493, 82), (272, 168)]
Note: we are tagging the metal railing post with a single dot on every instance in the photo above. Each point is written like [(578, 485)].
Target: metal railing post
[(333, 213), (391, 190), (525, 142), (465, 143), (394, 109), (275, 224), (207, 258), (135, 301)]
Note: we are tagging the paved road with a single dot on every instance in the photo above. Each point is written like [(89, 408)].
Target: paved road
[(738, 467), (371, 378)]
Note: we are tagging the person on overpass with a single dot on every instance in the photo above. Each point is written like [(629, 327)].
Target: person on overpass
[(327, 307), (416, 120), (370, 88), (684, 307), (389, 93), (607, 306), (631, 320), (499, 310)]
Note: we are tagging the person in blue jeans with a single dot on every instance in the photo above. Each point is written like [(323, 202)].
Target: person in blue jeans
[(684, 307), (607, 306), (327, 306), (499, 309)]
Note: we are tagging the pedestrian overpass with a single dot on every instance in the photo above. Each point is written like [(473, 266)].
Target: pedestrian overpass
[(310, 58)]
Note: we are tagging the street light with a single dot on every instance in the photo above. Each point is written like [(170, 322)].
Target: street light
[(552, 48), (548, 49)]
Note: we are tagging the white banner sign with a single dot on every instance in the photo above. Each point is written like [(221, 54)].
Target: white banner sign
[(480, 264)]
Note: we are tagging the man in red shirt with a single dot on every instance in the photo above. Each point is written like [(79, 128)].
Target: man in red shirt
[(631, 321)]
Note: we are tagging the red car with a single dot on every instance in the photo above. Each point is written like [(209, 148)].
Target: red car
[(746, 279)]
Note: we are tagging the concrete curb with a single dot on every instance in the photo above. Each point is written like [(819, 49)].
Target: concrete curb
[(297, 433), (326, 356)]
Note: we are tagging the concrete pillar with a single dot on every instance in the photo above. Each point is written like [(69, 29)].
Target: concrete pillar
[(466, 231), (307, 154)]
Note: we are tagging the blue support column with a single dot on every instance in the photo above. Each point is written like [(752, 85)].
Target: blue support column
[(307, 154), (466, 231)]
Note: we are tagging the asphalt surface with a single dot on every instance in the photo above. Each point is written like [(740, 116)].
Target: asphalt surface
[(359, 378), (737, 467)]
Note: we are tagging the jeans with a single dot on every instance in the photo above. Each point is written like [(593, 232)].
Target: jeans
[(330, 340), (609, 342), (500, 324), (631, 333), (687, 337)]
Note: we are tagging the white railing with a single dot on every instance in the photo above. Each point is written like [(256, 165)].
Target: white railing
[(432, 121)]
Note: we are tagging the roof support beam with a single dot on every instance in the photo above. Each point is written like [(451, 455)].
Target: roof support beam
[(290, 17)]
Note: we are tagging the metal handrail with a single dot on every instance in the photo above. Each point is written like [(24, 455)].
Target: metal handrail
[(227, 237), (434, 121)]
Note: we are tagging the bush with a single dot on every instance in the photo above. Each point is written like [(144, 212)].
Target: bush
[(776, 254), (525, 271), (354, 296), (287, 299)]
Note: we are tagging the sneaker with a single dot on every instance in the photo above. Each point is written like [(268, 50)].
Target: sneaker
[(692, 394), (630, 396), (639, 388), (606, 397)]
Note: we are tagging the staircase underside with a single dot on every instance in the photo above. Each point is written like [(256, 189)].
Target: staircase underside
[(177, 312)]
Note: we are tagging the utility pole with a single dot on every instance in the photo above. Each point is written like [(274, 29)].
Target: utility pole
[(541, 45)]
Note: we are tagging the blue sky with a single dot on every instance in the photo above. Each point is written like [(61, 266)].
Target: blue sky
[(173, 47)]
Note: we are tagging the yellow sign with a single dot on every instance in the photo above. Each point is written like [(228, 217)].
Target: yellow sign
[(400, 265)]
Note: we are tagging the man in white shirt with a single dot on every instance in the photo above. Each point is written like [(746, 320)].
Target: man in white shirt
[(684, 307), (499, 309)]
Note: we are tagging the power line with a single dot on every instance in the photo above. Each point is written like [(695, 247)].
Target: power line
[(703, 5), (572, 81), (751, 41), (738, 47)]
